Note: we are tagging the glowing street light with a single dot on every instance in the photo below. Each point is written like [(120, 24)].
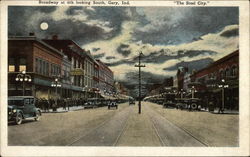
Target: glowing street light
[(23, 77), (223, 85)]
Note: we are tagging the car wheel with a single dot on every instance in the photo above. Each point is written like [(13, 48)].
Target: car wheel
[(37, 117), (19, 118)]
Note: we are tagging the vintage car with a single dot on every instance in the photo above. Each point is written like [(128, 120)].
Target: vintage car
[(21, 108), (112, 105), (169, 104), (131, 102)]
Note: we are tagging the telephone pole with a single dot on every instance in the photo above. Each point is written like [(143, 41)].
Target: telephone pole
[(139, 66)]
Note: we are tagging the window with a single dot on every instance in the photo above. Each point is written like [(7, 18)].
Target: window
[(22, 65), (234, 70), (11, 65), (40, 66), (47, 69), (221, 74), (36, 65), (227, 72)]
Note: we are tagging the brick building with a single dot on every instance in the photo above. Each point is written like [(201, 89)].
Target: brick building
[(39, 60), (106, 79), (225, 69), (82, 66)]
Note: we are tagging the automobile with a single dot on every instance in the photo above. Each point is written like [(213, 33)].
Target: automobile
[(112, 105), (131, 102), (21, 108), (169, 104)]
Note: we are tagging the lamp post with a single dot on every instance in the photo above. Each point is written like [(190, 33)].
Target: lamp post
[(223, 85), (193, 90), (85, 89), (23, 77), (182, 92), (56, 84)]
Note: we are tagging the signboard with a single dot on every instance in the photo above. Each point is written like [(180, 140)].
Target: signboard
[(77, 72)]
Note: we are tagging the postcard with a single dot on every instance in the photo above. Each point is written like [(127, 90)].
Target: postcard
[(124, 78)]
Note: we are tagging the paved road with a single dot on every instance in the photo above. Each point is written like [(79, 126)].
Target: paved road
[(102, 127)]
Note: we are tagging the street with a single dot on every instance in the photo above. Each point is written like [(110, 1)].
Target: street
[(155, 126)]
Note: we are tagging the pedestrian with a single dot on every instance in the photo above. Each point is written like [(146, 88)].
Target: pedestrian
[(64, 104), (46, 104)]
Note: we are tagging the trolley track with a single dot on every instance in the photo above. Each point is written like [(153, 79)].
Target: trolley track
[(107, 133), (163, 132)]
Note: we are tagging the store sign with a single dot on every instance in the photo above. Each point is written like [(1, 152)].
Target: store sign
[(77, 72)]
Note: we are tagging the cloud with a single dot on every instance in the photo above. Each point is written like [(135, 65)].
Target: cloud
[(164, 60), (91, 23), (179, 25), (230, 31), (109, 47)]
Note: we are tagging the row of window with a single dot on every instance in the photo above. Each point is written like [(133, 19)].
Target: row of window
[(45, 68), (17, 64), (228, 72)]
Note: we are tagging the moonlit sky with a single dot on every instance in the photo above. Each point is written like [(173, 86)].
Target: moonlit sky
[(168, 36)]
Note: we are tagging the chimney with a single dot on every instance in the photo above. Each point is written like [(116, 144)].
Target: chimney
[(31, 34), (54, 37)]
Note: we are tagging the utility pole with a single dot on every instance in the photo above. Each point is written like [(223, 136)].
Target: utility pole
[(139, 65)]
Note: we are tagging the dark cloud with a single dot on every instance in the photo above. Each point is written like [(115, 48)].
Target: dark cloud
[(99, 56), (76, 30), (147, 81), (95, 49), (124, 61), (196, 21), (110, 57), (230, 33), (161, 56), (192, 65), (123, 49)]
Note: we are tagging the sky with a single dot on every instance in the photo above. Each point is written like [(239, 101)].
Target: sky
[(168, 37)]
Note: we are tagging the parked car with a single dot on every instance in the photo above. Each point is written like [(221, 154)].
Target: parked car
[(169, 104), (112, 105), (21, 108), (131, 102)]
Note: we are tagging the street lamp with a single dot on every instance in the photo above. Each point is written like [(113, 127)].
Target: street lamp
[(23, 77), (223, 85), (193, 90), (56, 84), (182, 92)]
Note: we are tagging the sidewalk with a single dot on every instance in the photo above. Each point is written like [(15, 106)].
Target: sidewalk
[(61, 110)]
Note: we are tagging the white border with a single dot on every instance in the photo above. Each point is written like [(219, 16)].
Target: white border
[(242, 150)]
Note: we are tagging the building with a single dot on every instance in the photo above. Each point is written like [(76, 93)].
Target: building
[(65, 77), (54, 61), (41, 62), (222, 71), (106, 79), (82, 66)]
